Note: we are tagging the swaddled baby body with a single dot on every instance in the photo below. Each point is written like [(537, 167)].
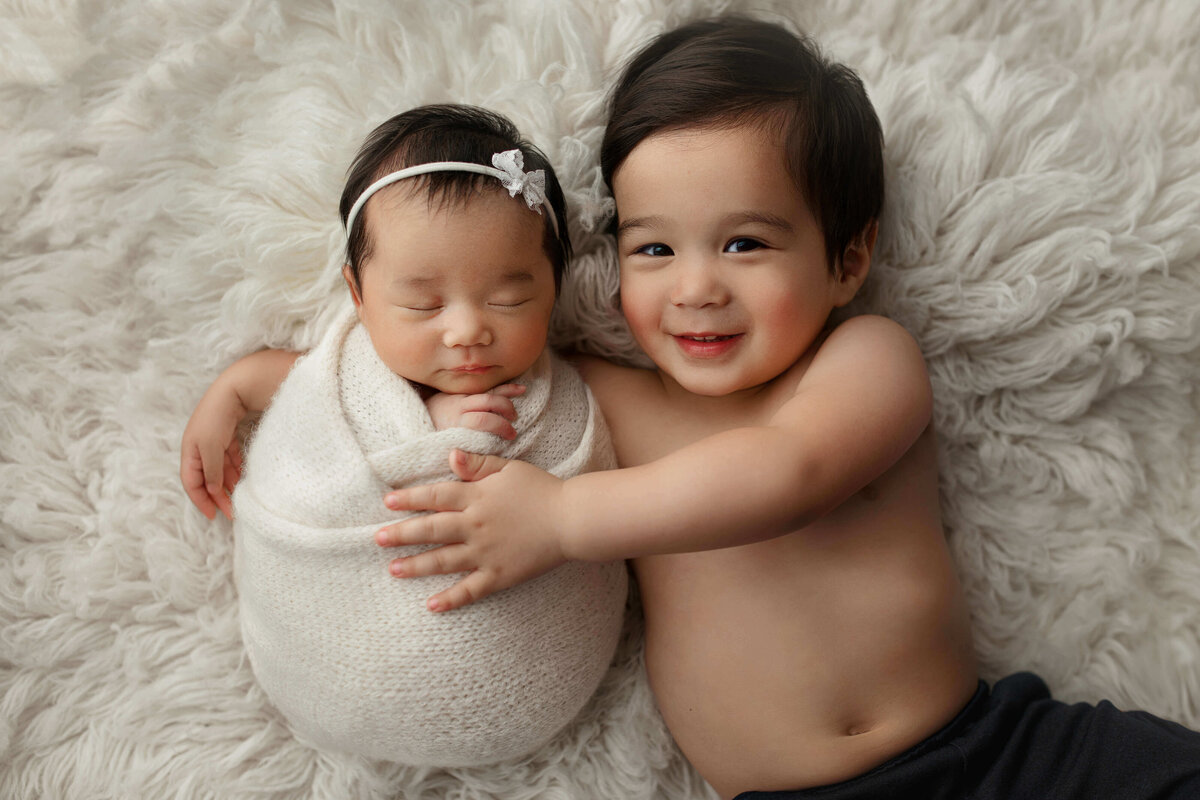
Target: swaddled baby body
[(350, 655), (453, 266)]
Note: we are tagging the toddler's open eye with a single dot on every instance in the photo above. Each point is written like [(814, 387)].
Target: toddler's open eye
[(742, 245), (655, 249)]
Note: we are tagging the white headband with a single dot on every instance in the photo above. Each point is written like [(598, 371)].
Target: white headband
[(508, 168)]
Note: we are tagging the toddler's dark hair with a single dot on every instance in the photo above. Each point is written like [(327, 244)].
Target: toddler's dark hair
[(734, 70), (447, 133)]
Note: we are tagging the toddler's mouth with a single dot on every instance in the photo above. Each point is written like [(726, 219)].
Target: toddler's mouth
[(707, 337), (707, 345)]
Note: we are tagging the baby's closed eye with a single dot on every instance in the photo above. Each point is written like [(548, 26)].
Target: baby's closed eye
[(508, 302)]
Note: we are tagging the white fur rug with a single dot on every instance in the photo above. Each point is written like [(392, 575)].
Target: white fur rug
[(170, 178)]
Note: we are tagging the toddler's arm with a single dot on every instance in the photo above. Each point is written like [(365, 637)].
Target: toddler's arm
[(210, 456), (863, 401)]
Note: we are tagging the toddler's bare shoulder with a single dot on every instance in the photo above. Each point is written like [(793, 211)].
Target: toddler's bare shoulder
[(872, 341), (615, 386), (868, 362), (601, 373)]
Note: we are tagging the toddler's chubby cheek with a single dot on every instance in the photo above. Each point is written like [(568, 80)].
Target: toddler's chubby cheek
[(642, 320)]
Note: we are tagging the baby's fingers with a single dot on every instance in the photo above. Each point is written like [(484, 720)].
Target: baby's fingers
[(508, 390), (213, 462), (490, 404), (191, 474), (222, 501), (234, 452), (232, 474), (488, 423)]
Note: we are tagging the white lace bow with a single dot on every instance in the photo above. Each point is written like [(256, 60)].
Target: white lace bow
[(531, 185)]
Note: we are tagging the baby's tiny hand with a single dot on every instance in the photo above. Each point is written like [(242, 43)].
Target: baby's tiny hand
[(490, 412), (210, 456)]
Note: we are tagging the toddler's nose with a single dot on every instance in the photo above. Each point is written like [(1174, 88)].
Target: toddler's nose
[(698, 284)]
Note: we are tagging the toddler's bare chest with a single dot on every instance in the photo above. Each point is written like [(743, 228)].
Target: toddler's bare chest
[(652, 430)]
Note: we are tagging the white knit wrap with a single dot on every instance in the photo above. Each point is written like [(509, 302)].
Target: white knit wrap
[(349, 654)]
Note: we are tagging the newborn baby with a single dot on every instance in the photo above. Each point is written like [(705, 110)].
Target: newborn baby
[(351, 655), (453, 280)]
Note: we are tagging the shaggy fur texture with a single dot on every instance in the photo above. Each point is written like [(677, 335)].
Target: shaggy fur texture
[(170, 178)]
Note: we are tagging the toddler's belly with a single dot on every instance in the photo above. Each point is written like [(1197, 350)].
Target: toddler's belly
[(780, 672)]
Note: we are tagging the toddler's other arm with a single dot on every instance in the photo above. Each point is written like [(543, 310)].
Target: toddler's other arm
[(210, 456)]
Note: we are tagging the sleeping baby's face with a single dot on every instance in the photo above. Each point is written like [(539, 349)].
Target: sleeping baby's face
[(455, 296)]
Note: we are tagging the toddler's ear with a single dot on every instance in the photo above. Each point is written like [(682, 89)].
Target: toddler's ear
[(348, 275), (856, 263)]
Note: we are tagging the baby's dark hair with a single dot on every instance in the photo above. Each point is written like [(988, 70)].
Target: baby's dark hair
[(447, 133), (733, 70)]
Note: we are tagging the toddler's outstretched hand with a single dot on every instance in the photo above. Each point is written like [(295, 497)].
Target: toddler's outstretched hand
[(210, 458), (490, 412), (500, 525)]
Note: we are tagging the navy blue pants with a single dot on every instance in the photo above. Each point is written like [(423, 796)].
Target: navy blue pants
[(1014, 742)]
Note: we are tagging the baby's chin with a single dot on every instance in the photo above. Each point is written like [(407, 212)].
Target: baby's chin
[(469, 382)]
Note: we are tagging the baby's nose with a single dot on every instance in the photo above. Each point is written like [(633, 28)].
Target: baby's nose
[(465, 328)]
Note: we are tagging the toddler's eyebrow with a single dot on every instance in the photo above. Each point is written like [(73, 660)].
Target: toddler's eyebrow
[(762, 218), (627, 225)]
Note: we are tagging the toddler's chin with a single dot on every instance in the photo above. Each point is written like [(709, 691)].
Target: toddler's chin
[(717, 383), (706, 385)]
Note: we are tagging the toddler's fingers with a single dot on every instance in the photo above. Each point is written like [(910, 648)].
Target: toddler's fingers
[(424, 529), (469, 590), (444, 560), (447, 496), (471, 467)]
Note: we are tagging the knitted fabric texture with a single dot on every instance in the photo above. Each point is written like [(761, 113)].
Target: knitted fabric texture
[(349, 654)]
